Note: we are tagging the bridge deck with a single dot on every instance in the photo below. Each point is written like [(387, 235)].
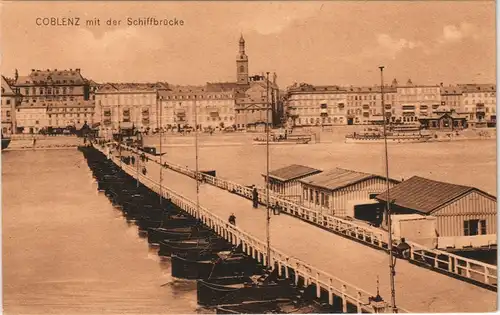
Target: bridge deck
[(417, 289)]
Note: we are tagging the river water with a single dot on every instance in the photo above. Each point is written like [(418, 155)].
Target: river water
[(471, 162), (66, 250)]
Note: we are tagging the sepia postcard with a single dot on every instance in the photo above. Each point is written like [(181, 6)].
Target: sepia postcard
[(226, 157)]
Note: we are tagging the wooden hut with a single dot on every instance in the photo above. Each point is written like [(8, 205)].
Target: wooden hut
[(444, 120), (285, 180), (330, 191), (466, 216)]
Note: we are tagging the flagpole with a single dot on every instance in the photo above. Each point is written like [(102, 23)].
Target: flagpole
[(388, 201), (196, 153), (119, 136)]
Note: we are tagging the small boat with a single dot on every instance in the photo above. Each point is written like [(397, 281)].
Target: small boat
[(222, 264), (233, 290), (155, 235), (277, 141), (5, 142), (395, 134), (193, 246)]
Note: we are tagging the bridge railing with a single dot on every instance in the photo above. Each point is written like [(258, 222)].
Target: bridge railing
[(440, 260), (253, 246)]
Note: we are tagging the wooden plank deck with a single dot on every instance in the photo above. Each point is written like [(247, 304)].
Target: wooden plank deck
[(417, 289)]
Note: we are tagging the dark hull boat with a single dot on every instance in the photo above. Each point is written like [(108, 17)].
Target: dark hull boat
[(192, 247), (5, 143), (144, 224), (251, 307), (223, 264), (175, 233), (234, 290)]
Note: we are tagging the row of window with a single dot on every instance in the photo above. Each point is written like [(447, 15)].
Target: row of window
[(318, 120), (69, 115), (203, 96), (49, 90), (317, 197)]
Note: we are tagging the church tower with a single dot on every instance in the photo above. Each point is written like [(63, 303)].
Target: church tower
[(242, 64)]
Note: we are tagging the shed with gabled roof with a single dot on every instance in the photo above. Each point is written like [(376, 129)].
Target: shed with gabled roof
[(285, 180), (460, 210), (330, 190)]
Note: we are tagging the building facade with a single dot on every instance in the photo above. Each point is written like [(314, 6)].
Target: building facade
[(124, 104), (364, 104), (53, 99), (209, 107), (257, 104), (308, 105), (9, 99), (479, 102), (415, 101)]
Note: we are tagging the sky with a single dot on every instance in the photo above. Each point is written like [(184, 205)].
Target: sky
[(316, 42)]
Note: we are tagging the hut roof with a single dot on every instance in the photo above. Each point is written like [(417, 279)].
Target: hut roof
[(338, 178), (292, 172), (425, 195)]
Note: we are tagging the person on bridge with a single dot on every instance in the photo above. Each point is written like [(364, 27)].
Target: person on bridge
[(255, 198), (232, 219), (144, 171), (403, 249)]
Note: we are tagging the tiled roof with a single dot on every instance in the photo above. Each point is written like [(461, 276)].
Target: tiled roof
[(292, 172), (53, 76), (423, 194), (337, 178), (222, 86), (131, 87), (471, 88), (6, 89)]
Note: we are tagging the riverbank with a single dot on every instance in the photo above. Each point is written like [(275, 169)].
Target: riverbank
[(44, 143)]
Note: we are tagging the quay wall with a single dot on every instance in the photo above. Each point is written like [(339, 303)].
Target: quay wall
[(45, 142)]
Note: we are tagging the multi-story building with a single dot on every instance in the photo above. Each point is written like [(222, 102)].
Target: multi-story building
[(122, 105), (414, 101), (31, 118), (71, 113), (479, 102), (257, 104), (309, 105), (208, 106), (53, 99), (451, 97), (9, 100), (364, 104)]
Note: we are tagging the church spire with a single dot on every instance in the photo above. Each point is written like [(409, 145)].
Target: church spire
[(242, 45), (242, 64)]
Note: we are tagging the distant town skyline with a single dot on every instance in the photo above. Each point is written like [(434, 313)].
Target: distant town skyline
[(316, 42)]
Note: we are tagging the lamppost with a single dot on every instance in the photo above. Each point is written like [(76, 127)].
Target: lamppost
[(268, 217), (388, 200)]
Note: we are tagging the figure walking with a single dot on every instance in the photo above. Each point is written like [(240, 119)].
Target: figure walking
[(255, 198), (232, 219)]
